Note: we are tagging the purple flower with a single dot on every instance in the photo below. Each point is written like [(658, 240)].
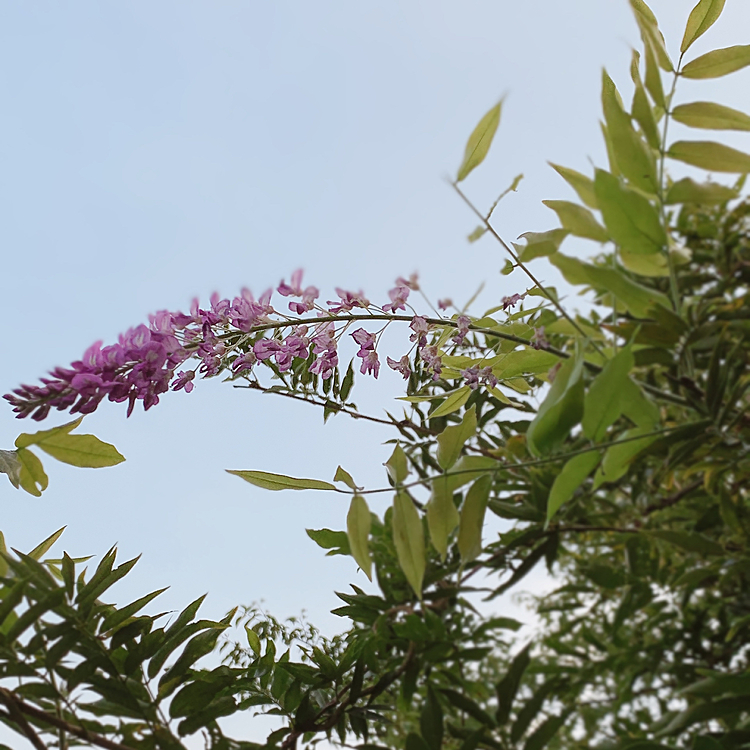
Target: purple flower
[(325, 364), (474, 377), (266, 348), (463, 323), (512, 301), (412, 282), (444, 304), (398, 296), (365, 339), (539, 340), (244, 362), (370, 363), (348, 301), (420, 327), (184, 380), (309, 295), (433, 361), (402, 365)]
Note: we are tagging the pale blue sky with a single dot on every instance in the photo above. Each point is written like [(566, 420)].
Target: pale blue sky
[(154, 151)]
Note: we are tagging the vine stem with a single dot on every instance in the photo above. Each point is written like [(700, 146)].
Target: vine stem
[(524, 267)]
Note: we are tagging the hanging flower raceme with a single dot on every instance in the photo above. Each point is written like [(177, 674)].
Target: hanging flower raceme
[(238, 336)]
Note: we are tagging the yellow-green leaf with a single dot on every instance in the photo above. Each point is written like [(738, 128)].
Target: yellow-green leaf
[(578, 220), (638, 408), (81, 450), (453, 403), (653, 265), (618, 457), (397, 465), (269, 481), (650, 33), (603, 403), (10, 465), (711, 156), (32, 477), (688, 190), (637, 299), (253, 640), (478, 233), (452, 439), (43, 547), (701, 19), (652, 79), (25, 440), (641, 107), (521, 362), (344, 476), (584, 186), (442, 516), (479, 142), (560, 411), (570, 478), (358, 531), (540, 244), (718, 62), (711, 116), (632, 154), (631, 219), (408, 537), (472, 520)]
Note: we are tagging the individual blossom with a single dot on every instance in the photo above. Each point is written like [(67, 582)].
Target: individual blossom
[(366, 341), (401, 365), (326, 364), (266, 348), (432, 359), (412, 282), (475, 376), (246, 312), (512, 301), (370, 363), (244, 362), (444, 304), (347, 301), (294, 289), (539, 340), (420, 327), (184, 380), (462, 322), (398, 295)]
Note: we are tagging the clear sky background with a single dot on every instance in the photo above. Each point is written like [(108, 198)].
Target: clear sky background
[(156, 151)]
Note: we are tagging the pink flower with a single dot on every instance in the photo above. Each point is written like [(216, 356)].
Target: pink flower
[(402, 365), (398, 296)]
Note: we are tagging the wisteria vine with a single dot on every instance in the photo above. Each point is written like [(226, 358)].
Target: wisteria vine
[(236, 336)]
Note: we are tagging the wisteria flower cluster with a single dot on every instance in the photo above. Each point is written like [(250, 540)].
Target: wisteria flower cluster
[(234, 336)]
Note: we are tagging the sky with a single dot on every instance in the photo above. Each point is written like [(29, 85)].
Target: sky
[(157, 151)]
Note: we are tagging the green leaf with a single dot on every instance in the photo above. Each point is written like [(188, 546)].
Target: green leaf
[(442, 516), (633, 156), (453, 403), (358, 532), (508, 687), (688, 540), (637, 407), (521, 362), (650, 33), (335, 541), (718, 62), (344, 476), (10, 465), (468, 705), (631, 219), (540, 244), (408, 538), (347, 382), (701, 19), (478, 233), (687, 190), (618, 457), (584, 186), (645, 265), (275, 482), (570, 478), (641, 108), (711, 156), (578, 220), (46, 545), (472, 520), (86, 451), (119, 616), (397, 466), (636, 298), (25, 440), (541, 736), (603, 402), (560, 411), (431, 721), (32, 476), (652, 78), (453, 438), (711, 116), (479, 142)]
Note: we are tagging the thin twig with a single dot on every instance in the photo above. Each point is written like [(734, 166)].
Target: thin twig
[(524, 268), (16, 716), (12, 701), (674, 498)]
